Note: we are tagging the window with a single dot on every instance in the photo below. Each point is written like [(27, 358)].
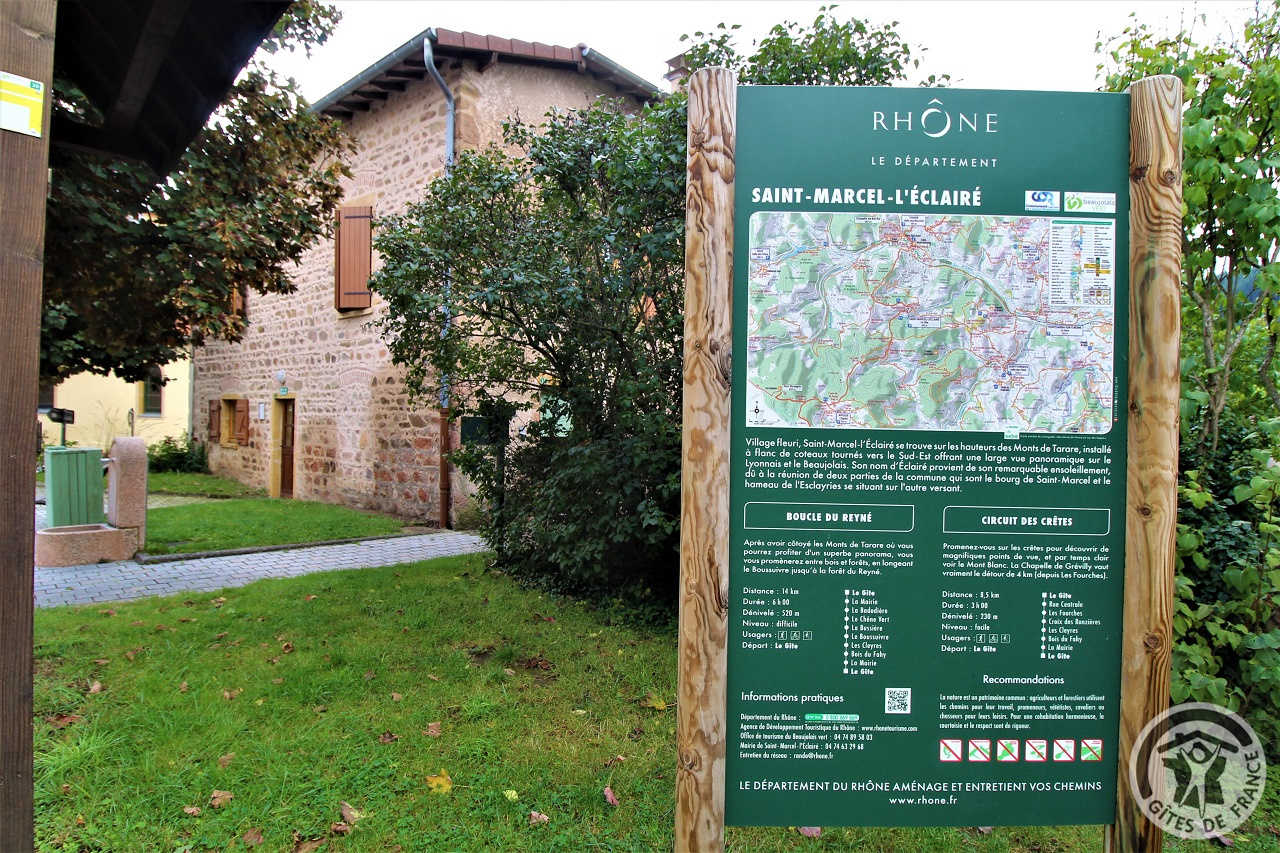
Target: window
[(45, 401), (353, 258), (240, 303), (229, 422), (152, 389)]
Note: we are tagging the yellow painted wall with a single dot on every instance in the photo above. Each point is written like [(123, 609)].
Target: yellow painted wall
[(102, 405)]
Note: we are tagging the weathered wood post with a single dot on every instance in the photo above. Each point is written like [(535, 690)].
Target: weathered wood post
[(26, 43), (1155, 267), (704, 513)]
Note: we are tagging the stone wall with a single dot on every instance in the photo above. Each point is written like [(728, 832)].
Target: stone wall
[(359, 441)]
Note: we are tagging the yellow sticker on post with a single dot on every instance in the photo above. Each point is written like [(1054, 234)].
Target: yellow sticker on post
[(21, 104)]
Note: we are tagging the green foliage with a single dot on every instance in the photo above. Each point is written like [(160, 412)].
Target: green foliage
[(1231, 192), (829, 52), (184, 455), (559, 271), (140, 266), (1227, 609)]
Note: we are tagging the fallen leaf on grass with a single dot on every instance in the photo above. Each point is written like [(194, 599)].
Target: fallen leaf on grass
[(349, 812), (396, 697), (220, 635), (508, 670), (277, 681), (432, 729), (617, 759), (252, 838), (137, 623), (388, 737), (654, 701), (164, 628), (259, 702), (231, 694), (224, 760), (537, 818), (107, 612), (185, 619), (339, 828), (79, 820), (636, 733), (66, 788), (95, 687), (810, 831), (286, 648), (308, 598), (368, 676), (194, 811), (220, 798), (307, 845), (182, 688), (609, 796), (132, 653), (579, 711), (61, 721), (273, 660), (319, 709), (440, 784), (984, 830), (433, 677), (102, 661), (219, 601), (511, 795)]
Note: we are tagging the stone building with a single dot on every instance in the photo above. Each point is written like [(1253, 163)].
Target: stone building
[(308, 404)]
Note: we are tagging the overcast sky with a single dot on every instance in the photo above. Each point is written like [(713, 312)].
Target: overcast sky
[(984, 45)]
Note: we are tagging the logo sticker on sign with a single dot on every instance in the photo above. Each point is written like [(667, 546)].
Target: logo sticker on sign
[(1043, 200), (1077, 202)]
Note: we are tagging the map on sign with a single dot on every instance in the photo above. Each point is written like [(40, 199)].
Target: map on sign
[(930, 322)]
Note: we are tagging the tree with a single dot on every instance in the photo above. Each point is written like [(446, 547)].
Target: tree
[(559, 271), (139, 266), (1231, 216), (1226, 648)]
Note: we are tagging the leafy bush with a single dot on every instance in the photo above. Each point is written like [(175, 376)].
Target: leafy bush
[(560, 273), (1227, 608), (185, 455)]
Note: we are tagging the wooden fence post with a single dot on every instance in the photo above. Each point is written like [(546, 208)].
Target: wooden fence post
[(704, 509), (1155, 266), (26, 43)]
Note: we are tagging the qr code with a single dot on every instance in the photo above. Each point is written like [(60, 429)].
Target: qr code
[(897, 700)]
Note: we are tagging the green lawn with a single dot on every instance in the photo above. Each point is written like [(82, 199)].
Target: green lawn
[(247, 522), (335, 681), (198, 485)]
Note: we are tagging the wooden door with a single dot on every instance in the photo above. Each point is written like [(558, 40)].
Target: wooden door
[(286, 449)]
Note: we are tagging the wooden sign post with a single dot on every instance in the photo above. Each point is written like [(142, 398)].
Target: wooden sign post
[(930, 491)]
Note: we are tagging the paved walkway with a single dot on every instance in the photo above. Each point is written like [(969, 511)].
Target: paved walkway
[(127, 579)]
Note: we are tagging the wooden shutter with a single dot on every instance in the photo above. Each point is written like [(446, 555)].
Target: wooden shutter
[(242, 421), (353, 258), (215, 421)]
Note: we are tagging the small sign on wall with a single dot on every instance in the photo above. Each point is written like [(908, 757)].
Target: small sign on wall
[(21, 104), (262, 411)]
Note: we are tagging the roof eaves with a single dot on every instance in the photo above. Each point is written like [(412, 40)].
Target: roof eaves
[(340, 100)]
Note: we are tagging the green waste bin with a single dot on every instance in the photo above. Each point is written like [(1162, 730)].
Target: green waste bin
[(73, 485)]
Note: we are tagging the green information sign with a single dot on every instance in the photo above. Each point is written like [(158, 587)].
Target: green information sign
[(928, 456)]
